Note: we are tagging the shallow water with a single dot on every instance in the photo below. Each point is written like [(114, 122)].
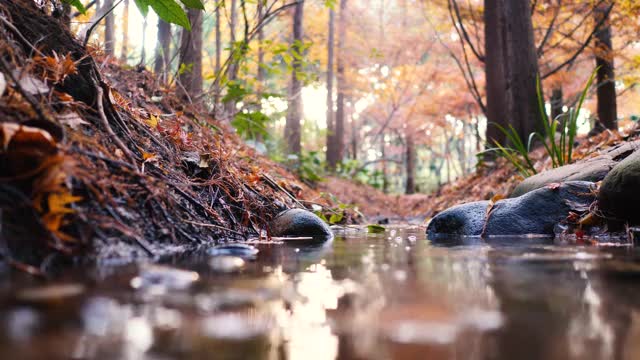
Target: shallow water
[(363, 296)]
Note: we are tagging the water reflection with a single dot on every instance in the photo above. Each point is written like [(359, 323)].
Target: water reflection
[(384, 296)]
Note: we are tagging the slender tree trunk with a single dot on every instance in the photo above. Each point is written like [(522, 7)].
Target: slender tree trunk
[(261, 70), (411, 164), (354, 138), (191, 56), (341, 82), (332, 148), (606, 93), (495, 72), (66, 15), (294, 110), (522, 65), (557, 101), (383, 155), (143, 52), (232, 70), (109, 29), (125, 32), (216, 99), (163, 50)]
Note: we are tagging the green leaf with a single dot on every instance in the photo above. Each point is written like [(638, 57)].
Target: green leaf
[(143, 6), (193, 4), (336, 218), (170, 11), (375, 229), (76, 4)]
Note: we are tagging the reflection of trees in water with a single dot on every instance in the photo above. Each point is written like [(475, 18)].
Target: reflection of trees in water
[(560, 310)]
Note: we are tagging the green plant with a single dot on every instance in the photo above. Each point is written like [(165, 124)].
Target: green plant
[(560, 150), (308, 165)]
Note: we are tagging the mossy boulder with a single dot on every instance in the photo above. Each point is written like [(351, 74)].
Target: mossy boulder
[(591, 169), (619, 193)]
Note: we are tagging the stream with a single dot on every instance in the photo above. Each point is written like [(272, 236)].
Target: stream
[(393, 295)]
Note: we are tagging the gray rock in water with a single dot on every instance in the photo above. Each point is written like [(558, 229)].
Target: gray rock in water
[(619, 193), (592, 169), (536, 212), (298, 222), (465, 219)]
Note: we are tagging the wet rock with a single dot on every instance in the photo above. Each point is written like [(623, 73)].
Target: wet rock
[(592, 169), (619, 193), (298, 222), (536, 212), (465, 219)]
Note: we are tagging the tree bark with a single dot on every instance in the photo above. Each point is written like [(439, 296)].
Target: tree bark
[(294, 109), (522, 68), (109, 29), (125, 32), (163, 50), (495, 72), (410, 155), (332, 150), (606, 87), (341, 82), (191, 56)]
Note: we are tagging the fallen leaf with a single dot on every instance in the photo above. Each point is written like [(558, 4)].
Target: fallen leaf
[(72, 119), (152, 121), (30, 84)]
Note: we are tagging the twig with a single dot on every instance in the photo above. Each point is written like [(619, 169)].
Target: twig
[(87, 34), (17, 32), (213, 226), (105, 124)]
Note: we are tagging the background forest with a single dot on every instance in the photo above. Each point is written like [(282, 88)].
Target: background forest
[(398, 94)]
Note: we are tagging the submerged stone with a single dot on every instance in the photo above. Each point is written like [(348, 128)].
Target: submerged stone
[(234, 249), (534, 213), (299, 223)]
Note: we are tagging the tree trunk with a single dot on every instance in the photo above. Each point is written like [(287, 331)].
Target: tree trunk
[(383, 155), (66, 15), (411, 164), (557, 102), (495, 72), (216, 98), (261, 71), (294, 109), (163, 50), (191, 56), (143, 52), (109, 29), (522, 68), (332, 148), (125, 32), (606, 93), (232, 71), (341, 82)]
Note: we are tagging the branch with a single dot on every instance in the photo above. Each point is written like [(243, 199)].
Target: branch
[(464, 34), (586, 43)]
